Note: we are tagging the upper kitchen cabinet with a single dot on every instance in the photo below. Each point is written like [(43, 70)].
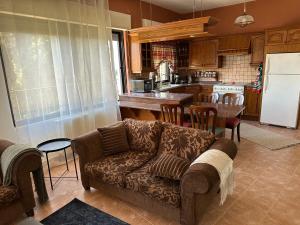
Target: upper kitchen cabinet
[(293, 36), (275, 37), (135, 57), (141, 57), (182, 49), (257, 49), (283, 36), (234, 44), (282, 40), (203, 54)]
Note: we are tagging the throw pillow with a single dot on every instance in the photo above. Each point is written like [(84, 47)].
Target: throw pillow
[(169, 166), (114, 139), (143, 135), (187, 143)]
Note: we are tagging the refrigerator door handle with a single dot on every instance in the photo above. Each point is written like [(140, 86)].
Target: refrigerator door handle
[(266, 83), (268, 67)]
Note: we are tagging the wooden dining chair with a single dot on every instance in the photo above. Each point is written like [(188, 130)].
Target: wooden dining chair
[(204, 118), (174, 113), (208, 98), (232, 123)]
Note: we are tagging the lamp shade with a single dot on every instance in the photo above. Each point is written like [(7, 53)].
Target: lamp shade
[(244, 20)]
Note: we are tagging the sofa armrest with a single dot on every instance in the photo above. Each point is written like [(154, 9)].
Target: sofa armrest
[(89, 149), (88, 146), (201, 181), (225, 145), (3, 145), (25, 164)]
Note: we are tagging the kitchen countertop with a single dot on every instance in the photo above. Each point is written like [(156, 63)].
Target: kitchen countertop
[(157, 97), (210, 83)]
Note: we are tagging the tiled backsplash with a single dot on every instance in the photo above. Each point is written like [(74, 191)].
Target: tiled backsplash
[(237, 68)]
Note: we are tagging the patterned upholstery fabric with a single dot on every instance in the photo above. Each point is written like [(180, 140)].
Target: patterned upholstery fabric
[(169, 166), (114, 139), (187, 143), (162, 189), (143, 135), (113, 169), (8, 194)]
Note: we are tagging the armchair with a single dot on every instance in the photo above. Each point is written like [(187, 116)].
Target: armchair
[(18, 198)]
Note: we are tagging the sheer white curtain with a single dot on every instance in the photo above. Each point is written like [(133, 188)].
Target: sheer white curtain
[(58, 66)]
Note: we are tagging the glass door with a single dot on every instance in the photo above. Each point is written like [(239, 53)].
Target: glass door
[(118, 57)]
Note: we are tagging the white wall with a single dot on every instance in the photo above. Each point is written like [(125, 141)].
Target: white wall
[(120, 20), (7, 130), (147, 23)]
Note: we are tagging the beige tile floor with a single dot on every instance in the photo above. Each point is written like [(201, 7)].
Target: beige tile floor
[(267, 191)]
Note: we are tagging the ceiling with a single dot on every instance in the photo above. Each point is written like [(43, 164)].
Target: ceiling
[(186, 6)]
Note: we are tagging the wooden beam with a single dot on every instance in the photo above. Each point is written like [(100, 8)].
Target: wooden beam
[(183, 29)]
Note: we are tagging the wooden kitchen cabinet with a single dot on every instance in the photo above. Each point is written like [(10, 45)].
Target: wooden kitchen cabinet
[(276, 37), (206, 89), (135, 57), (234, 44), (293, 36), (203, 54), (257, 49), (141, 57), (252, 104), (283, 36), (283, 40), (193, 89)]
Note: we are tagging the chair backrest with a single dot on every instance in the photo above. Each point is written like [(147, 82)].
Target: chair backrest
[(208, 98), (204, 118), (233, 99), (170, 113)]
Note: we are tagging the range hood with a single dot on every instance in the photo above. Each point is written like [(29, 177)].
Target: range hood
[(183, 29), (234, 45)]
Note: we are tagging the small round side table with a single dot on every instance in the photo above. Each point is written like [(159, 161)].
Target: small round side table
[(55, 145)]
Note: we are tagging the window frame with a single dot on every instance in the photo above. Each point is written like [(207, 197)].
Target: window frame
[(7, 88)]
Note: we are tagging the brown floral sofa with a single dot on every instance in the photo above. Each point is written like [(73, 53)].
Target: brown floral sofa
[(126, 175)]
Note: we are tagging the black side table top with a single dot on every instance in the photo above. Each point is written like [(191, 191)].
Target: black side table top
[(54, 145)]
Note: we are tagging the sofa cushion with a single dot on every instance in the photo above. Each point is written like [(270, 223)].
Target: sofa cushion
[(113, 169), (187, 143), (169, 166), (143, 135), (8, 194), (114, 139), (161, 189)]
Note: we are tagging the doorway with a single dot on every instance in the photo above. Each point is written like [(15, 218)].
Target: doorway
[(118, 57)]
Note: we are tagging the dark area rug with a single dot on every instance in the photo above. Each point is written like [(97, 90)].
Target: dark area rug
[(77, 212)]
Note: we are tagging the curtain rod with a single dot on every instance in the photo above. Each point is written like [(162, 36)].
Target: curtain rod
[(46, 18), (56, 20)]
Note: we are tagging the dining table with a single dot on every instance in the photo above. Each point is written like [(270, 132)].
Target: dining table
[(147, 107)]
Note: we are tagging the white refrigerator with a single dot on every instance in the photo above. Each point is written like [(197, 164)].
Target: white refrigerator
[(280, 100)]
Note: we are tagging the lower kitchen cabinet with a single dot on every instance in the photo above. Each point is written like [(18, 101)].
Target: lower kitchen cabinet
[(252, 104), (193, 89)]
